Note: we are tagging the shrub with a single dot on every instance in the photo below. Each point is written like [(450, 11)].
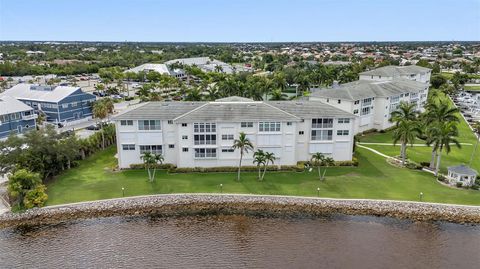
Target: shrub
[(413, 165), (233, 169), (425, 164), (369, 131), (475, 187), (163, 166), (441, 178), (459, 184)]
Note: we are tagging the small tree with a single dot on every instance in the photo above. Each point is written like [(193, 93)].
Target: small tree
[(259, 159), (151, 160), (269, 157), (318, 160), (244, 145), (476, 130), (27, 189)]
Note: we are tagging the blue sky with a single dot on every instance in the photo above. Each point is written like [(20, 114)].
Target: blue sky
[(240, 21)]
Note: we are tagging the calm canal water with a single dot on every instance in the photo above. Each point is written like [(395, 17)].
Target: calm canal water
[(242, 242)]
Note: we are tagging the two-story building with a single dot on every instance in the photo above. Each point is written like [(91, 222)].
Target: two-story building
[(57, 103), (373, 101), (15, 117), (201, 134)]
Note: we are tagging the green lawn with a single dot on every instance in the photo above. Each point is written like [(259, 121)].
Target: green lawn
[(94, 179), (423, 154), (472, 88)]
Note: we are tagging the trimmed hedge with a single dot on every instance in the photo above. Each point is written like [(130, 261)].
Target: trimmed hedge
[(234, 169), (163, 166)]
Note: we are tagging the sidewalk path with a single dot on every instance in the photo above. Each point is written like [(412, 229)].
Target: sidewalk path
[(415, 145)]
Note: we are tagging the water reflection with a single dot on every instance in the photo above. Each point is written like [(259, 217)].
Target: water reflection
[(242, 241)]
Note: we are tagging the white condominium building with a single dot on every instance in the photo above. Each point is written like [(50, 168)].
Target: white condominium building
[(201, 134), (373, 99), (391, 72)]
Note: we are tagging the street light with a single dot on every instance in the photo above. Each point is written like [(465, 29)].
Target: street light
[(318, 192), (123, 192), (421, 196), (221, 188)]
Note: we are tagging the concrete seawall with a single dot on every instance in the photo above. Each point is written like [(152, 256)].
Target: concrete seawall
[(188, 204)]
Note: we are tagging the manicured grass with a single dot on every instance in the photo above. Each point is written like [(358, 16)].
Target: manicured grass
[(472, 88), (423, 154), (376, 179)]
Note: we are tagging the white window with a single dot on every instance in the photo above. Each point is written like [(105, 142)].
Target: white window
[(300, 132), (395, 99), (227, 137), (184, 137), (228, 150), (171, 146), (155, 149), (269, 126), (343, 120), (184, 125), (128, 146), (322, 135), (204, 127), (357, 102), (148, 125), (246, 124), (322, 123), (74, 104), (367, 101), (126, 122), (170, 122), (205, 153), (209, 139), (342, 132), (365, 111), (64, 105), (355, 111), (185, 149), (339, 101), (289, 123)]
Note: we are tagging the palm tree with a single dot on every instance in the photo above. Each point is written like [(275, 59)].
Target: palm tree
[(405, 111), (151, 160), (405, 132), (100, 111), (269, 158), (244, 145), (319, 160), (277, 95), (476, 130), (445, 135), (437, 113), (194, 95), (259, 159)]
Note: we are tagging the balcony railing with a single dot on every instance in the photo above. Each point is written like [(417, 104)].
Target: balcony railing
[(30, 117)]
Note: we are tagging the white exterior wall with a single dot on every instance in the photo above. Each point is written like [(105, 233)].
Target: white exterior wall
[(288, 145), (375, 78)]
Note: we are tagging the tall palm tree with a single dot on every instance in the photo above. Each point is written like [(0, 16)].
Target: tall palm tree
[(244, 145), (259, 159), (100, 111), (269, 157), (437, 113), (445, 135), (405, 111), (476, 130), (405, 132)]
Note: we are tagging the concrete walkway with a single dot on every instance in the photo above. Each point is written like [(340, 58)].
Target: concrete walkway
[(415, 145)]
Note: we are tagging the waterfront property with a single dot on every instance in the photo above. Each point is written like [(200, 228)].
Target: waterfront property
[(15, 117), (377, 94), (461, 174), (201, 134), (57, 103)]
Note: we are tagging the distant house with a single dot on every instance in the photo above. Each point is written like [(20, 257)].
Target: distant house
[(58, 104), (15, 117), (391, 72), (462, 174)]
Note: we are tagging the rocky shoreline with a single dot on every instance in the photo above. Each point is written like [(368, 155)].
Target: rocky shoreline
[(192, 204)]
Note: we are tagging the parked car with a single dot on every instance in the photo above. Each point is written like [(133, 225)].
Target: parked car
[(94, 127)]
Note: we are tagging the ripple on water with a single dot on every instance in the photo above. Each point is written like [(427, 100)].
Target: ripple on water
[(242, 241)]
